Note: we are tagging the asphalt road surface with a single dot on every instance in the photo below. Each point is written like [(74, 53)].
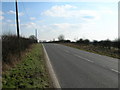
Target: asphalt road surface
[(80, 69)]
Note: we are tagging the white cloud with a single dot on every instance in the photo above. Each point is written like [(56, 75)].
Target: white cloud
[(66, 26), (69, 30), (12, 25), (53, 29), (59, 28), (107, 11), (90, 30), (59, 11), (1, 13), (9, 21), (32, 18), (29, 25), (1, 17), (21, 14), (67, 11), (13, 12)]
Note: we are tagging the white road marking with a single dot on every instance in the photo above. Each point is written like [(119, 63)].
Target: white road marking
[(115, 70), (90, 61), (93, 62), (66, 51), (55, 44), (51, 70), (84, 58)]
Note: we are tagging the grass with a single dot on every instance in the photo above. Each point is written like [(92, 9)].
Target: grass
[(95, 49), (29, 73)]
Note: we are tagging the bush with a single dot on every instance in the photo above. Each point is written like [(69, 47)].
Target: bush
[(10, 46)]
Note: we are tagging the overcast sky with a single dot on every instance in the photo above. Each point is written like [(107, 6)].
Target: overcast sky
[(87, 20)]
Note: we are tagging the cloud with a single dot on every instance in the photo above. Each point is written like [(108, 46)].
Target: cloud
[(69, 11), (1, 17), (29, 25), (9, 21), (13, 12), (66, 26), (59, 11), (1, 13), (32, 18), (84, 30), (88, 17), (68, 29), (107, 12), (53, 29)]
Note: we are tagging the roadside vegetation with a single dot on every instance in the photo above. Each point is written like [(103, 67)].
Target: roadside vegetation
[(12, 49), (103, 47), (26, 71)]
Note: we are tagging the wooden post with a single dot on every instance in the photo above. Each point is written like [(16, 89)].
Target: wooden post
[(17, 23)]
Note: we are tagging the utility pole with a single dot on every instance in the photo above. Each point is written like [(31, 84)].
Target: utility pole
[(36, 33), (17, 23)]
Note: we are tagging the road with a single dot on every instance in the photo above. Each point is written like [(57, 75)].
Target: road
[(80, 69)]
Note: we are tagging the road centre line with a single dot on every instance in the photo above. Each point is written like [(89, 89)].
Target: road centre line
[(115, 70), (90, 61), (66, 51), (84, 58), (93, 61)]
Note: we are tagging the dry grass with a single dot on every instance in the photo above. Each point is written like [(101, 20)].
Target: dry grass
[(10, 50), (113, 52)]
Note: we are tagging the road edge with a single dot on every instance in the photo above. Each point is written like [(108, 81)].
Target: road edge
[(50, 69)]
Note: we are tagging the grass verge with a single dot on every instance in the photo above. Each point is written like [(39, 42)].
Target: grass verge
[(94, 49), (29, 73)]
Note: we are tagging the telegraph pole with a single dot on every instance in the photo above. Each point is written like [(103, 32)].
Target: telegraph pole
[(36, 33), (17, 23)]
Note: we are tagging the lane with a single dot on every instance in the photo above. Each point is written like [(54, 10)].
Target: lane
[(76, 71), (105, 61)]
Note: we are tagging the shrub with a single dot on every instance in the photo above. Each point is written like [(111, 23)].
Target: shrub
[(12, 47)]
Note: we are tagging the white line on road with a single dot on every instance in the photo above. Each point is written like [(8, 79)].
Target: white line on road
[(115, 70), (93, 62), (51, 70), (66, 51), (84, 58)]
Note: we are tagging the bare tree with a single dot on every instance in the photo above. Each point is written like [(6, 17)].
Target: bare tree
[(61, 37), (32, 37)]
